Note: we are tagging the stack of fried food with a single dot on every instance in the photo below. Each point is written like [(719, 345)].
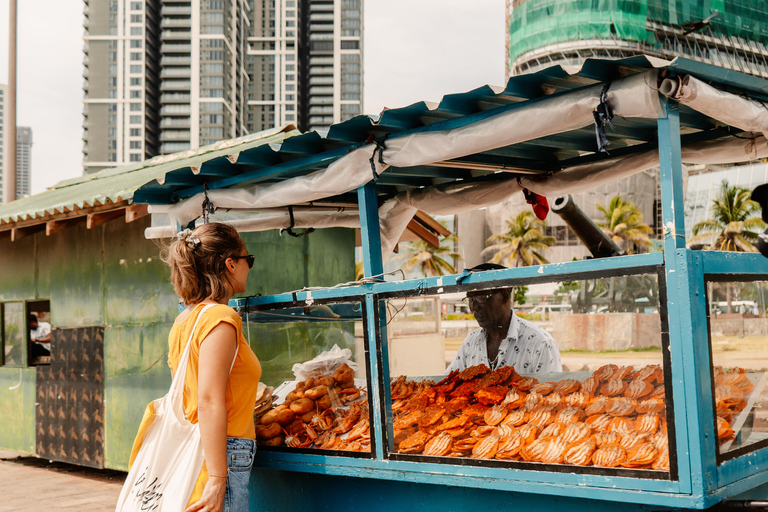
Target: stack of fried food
[(732, 387), (319, 413), (614, 418), (264, 400)]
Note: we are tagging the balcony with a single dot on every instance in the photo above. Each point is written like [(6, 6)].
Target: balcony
[(175, 122), (174, 110), (176, 9), (176, 48), (176, 85), (176, 22), (175, 34), (182, 72), (174, 135), (175, 98), (168, 60), (321, 80), (321, 17)]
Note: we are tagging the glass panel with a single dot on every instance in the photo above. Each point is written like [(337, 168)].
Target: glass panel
[(738, 333), (313, 384), (571, 375), (13, 333)]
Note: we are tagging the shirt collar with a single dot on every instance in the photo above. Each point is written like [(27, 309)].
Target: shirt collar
[(513, 327)]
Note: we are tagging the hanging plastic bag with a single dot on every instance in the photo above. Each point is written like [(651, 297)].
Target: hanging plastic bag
[(324, 364), (168, 463)]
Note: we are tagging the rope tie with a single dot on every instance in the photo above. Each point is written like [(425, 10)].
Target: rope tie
[(380, 147), (603, 114), (208, 206), (290, 230)]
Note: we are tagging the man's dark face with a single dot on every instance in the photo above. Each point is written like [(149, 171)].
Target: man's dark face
[(33, 325), (490, 307)]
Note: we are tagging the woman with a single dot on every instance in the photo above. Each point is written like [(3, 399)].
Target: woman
[(208, 266)]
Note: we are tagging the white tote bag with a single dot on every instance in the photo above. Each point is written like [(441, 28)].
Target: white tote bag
[(169, 461)]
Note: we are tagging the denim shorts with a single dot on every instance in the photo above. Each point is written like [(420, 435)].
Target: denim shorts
[(240, 453)]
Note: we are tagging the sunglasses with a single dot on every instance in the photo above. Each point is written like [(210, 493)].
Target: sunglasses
[(479, 299), (249, 258)]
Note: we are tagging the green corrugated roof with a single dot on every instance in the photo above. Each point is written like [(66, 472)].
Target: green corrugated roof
[(119, 184)]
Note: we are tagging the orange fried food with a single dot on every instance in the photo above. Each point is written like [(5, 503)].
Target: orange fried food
[(622, 406), (648, 373), (640, 455), (533, 400), (638, 389), (598, 422), (609, 456), (402, 435), (597, 406), (489, 379), (503, 431), (624, 373), (577, 399), (631, 439), (514, 398), (491, 395), (510, 447), (606, 438), (440, 445), (465, 444), (544, 388), (724, 430), (649, 422), (516, 418), (458, 421), (580, 453), (552, 430), (650, 405), (406, 421), (506, 374), (542, 416), (455, 405), (554, 398), (473, 372), (486, 448), (731, 396), (621, 424), (431, 415), (605, 372), (590, 385), (554, 452), (475, 411), (662, 461), (567, 386), (495, 414), (465, 389), (414, 443), (658, 392), (576, 433), (660, 441), (570, 415), (534, 451), (448, 378), (527, 383), (613, 387)]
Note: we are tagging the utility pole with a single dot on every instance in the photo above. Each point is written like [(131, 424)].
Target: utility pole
[(10, 188)]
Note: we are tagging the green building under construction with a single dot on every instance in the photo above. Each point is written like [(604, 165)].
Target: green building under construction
[(729, 33)]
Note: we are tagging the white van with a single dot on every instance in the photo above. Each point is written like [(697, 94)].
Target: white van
[(545, 310)]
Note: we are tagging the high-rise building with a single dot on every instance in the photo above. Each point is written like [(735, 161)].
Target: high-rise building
[(168, 75), (23, 161), (726, 33), (3, 146), (305, 61)]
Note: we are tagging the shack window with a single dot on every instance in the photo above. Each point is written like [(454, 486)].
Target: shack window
[(13, 333), (39, 329)]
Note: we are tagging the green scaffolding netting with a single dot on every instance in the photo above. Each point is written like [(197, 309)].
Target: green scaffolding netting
[(538, 23)]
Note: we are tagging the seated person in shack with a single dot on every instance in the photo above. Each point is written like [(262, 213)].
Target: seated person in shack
[(503, 338), (40, 335)]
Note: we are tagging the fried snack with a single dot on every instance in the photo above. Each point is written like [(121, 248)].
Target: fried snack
[(414, 443), (620, 406), (580, 453), (293, 395), (325, 380), (597, 406), (621, 424), (570, 415), (590, 385), (439, 446), (486, 448), (506, 374), (278, 415), (275, 441), (542, 416), (554, 452), (347, 384), (606, 438), (599, 422), (452, 423), (431, 415), (473, 372), (302, 406), (555, 399), (724, 430), (455, 405), (534, 451), (407, 420), (624, 373), (552, 430), (514, 398), (526, 383), (640, 455), (605, 372), (648, 373), (578, 399), (264, 432), (609, 456), (491, 395), (638, 389), (544, 388), (632, 439), (662, 461), (475, 411), (567, 386), (495, 414), (343, 373), (305, 384), (658, 392), (613, 387), (649, 422), (576, 433), (316, 392), (650, 405), (503, 431), (516, 418), (323, 402)]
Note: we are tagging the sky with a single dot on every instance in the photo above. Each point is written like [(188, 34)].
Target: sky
[(414, 50)]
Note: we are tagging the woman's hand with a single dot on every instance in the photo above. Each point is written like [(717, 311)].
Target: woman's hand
[(212, 499)]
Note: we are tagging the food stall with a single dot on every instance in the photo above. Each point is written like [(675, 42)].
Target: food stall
[(676, 427)]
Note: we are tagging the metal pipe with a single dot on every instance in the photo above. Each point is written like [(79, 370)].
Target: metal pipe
[(740, 505), (598, 243), (10, 188)]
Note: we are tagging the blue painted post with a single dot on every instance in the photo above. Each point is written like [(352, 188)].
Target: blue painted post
[(677, 277), (370, 236)]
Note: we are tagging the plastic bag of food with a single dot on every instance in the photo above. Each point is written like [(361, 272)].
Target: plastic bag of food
[(324, 364)]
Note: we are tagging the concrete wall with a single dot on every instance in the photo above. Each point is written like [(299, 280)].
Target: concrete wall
[(610, 331), (739, 326), (112, 276)]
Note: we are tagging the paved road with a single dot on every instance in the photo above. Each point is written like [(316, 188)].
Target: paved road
[(29, 484)]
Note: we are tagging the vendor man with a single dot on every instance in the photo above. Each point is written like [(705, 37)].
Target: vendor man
[(503, 338), (40, 335)]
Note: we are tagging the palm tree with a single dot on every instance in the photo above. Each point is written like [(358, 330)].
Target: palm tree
[(624, 223), (523, 243), (431, 261), (735, 225)]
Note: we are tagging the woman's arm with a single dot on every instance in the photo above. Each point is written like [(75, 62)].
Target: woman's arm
[(216, 353)]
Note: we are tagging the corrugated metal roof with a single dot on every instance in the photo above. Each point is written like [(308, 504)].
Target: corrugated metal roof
[(119, 184)]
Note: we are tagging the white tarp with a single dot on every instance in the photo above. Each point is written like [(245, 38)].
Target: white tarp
[(635, 96)]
